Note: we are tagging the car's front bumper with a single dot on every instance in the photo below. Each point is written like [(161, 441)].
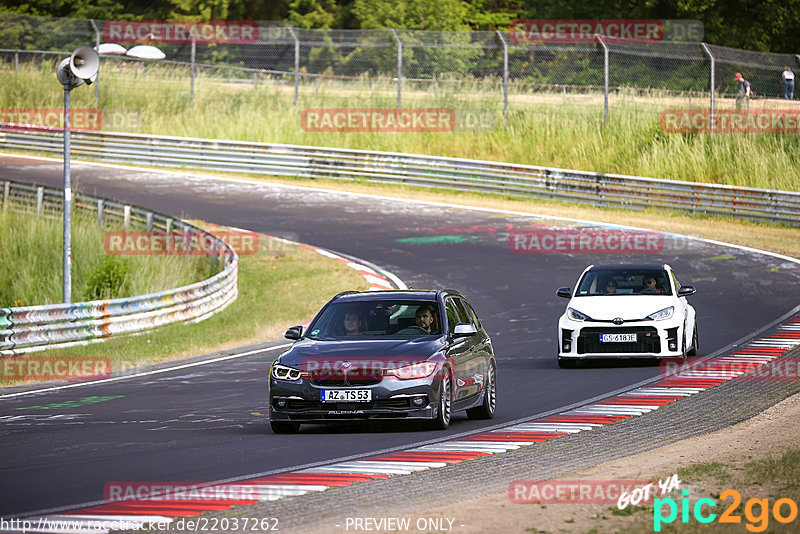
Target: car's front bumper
[(654, 339), (299, 401)]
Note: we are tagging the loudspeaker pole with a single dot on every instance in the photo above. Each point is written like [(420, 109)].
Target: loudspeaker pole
[(80, 67), (67, 248)]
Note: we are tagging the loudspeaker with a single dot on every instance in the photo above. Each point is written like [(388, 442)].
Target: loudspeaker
[(80, 67), (84, 63), (65, 75)]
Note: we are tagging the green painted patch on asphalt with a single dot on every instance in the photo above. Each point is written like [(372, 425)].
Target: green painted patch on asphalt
[(721, 257), (438, 239), (72, 403)]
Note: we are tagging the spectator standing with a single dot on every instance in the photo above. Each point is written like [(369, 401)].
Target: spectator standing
[(743, 91), (787, 81)]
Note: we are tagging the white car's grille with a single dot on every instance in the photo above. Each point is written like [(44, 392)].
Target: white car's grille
[(647, 340)]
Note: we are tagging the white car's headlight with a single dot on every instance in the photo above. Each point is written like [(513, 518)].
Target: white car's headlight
[(575, 315), (282, 372), (666, 313)]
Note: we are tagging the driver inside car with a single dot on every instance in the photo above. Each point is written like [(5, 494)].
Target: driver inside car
[(425, 319), (650, 285)]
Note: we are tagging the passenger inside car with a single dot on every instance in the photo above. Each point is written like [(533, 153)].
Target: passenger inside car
[(609, 287), (354, 325)]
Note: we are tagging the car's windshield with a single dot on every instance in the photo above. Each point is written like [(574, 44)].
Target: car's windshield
[(625, 282), (401, 318)]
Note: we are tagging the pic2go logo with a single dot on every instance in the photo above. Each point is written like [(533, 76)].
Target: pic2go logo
[(756, 511)]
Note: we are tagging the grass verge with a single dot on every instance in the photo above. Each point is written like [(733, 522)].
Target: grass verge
[(278, 287), (543, 128), (31, 255), (746, 490)]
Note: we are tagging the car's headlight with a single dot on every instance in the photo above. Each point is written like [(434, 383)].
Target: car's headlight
[(282, 372), (415, 370), (575, 315), (660, 315)]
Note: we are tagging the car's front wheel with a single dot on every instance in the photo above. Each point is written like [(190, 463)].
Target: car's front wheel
[(284, 427), (487, 409), (442, 419)]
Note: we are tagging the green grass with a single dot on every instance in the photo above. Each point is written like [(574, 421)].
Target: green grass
[(628, 510), (715, 470), (784, 470), (279, 286), (771, 478), (277, 289), (31, 255), (547, 129)]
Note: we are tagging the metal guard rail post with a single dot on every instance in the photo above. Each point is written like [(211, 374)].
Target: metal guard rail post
[(31, 328), (598, 189)]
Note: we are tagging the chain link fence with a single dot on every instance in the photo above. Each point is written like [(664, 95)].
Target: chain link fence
[(408, 66)]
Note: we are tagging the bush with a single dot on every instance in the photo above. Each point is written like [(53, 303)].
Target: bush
[(109, 279)]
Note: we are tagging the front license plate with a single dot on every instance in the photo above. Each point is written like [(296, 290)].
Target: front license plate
[(346, 395), (617, 338)]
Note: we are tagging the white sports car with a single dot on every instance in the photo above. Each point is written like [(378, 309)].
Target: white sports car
[(626, 311)]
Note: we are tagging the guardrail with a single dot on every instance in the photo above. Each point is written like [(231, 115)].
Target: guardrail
[(30, 328), (598, 189)]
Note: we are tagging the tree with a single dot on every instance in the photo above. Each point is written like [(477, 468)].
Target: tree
[(411, 14)]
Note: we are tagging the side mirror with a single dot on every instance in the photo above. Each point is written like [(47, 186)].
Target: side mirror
[(685, 291), (564, 292), (295, 332), (464, 330)]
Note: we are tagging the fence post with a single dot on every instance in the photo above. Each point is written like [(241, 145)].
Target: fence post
[(126, 217), (191, 71), (399, 69), (97, 76), (713, 70), (16, 61), (6, 194), (505, 74), (296, 64), (149, 221), (605, 82)]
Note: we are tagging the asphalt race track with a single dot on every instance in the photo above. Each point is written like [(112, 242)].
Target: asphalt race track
[(207, 422)]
